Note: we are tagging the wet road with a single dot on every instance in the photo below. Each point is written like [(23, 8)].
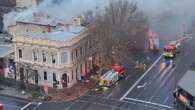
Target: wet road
[(157, 87), (12, 103), (151, 91)]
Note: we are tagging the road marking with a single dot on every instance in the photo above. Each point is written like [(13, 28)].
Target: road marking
[(26, 106), (166, 99), (130, 89), (37, 105), (142, 86), (151, 98), (102, 104), (147, 102), (111, 94)]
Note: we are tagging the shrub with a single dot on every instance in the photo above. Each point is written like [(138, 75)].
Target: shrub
[(35, 94)]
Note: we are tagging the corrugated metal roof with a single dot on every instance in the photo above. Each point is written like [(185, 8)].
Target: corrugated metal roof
[(187, 82)]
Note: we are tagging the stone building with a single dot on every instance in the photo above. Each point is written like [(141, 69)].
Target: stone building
[(51, 53)]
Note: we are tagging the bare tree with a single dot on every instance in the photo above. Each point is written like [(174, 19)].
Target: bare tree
[(120, 30)]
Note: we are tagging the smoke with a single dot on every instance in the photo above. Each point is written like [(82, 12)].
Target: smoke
[(169, 17), (166, 17), (55, 10)]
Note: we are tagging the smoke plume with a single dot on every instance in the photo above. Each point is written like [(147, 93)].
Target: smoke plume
[(169, 17), (55, 10)]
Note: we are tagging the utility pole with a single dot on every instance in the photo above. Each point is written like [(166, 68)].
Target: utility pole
[(184, 30)]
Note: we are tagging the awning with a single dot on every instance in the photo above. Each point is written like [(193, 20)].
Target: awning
[(5, 50), (187, 82)]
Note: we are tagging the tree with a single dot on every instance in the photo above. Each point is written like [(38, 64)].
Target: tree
[(120, 30), (1, 23), (28, 73)]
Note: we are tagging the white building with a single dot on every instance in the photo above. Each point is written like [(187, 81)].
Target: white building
[(51, 54)]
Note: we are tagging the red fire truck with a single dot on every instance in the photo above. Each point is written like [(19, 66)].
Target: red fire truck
[(1, 107), (112, 76)]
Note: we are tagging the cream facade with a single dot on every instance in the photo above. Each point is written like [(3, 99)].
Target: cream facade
[(44, 61)]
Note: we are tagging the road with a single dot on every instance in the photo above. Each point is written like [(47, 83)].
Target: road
[(152, 91), (157, 87), (11, 103)]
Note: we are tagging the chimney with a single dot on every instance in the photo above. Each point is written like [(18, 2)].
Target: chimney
[(49, 28), (67, 27), (78, 20)]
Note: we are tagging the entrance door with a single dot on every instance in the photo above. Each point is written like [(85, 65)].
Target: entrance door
[(64, 80)]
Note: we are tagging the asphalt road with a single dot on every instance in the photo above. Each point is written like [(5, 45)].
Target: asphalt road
[(100, 103), (152, 91), (157, 87), (11, 103)]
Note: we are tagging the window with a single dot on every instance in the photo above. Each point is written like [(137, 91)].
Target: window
[(45, 75), (54, 77), (76, 53), (64, 57), (20, 53), (72, 55), (44, 57), (72, 74), (36, 77), (81, 69), (77, 76), (81, 51), (53, 59), (34, 55)]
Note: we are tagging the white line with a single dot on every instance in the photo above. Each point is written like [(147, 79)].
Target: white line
[(147, 102), (130, 89), (37, 105), (111, 94), (26, 106), (165, 101)]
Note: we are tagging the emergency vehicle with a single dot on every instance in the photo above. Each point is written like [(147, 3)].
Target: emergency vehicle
[(153, 41), (112, 76), (170, 52), (1, 107)]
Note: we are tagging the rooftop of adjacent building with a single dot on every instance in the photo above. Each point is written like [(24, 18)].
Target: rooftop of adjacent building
[(8, 3), (187, 82)]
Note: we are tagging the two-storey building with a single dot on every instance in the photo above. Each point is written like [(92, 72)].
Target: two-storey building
[(51, 53)]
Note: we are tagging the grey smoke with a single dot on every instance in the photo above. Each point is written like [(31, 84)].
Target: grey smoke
[(165, 16), (62, 10), (169, 17)]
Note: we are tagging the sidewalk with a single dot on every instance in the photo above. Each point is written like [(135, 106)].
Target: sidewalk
[(72, 93)]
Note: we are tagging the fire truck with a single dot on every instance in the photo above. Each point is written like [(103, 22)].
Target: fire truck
[(112, 76), (170, 52), (1, 107), (153, 41)]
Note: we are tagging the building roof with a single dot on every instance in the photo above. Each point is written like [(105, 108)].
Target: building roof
[(37, 23), (8, 3), (187, 82), (5, 50), (58, 35)]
